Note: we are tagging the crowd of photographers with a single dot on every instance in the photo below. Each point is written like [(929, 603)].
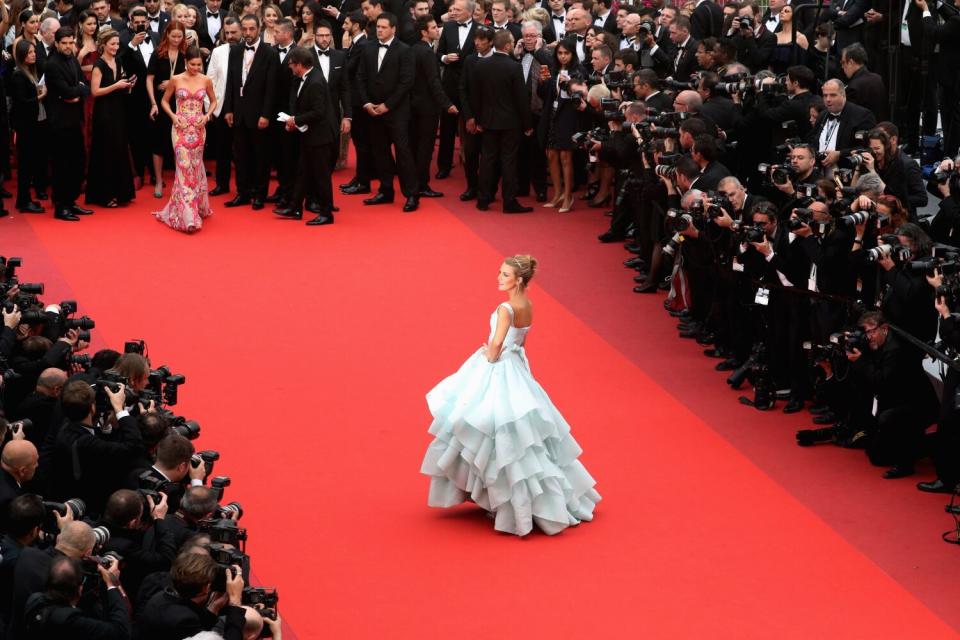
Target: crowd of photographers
[(111, 523), (760, 175)]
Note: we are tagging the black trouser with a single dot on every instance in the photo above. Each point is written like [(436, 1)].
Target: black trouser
[(898, 437), (41, 179), (449, 125), (532, 169), (314, 176), (470, 146), (67, 166), (499, 146), (950, 100), (222, 151), (28, 161), (252, 161), (917, 95), (391, 130), (946, 441), (285, 150), (360, 134), (423, 138)]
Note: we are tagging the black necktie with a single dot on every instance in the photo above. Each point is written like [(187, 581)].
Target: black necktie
[(326, 52), (213, 15), (249, 48)]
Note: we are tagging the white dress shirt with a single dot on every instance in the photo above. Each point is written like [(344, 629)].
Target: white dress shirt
[(382, 51), (217, 71)]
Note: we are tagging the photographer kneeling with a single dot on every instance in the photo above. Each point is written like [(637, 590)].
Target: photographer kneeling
[(895, 401)]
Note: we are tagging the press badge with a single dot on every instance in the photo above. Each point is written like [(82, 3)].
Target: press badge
[(763, 297)]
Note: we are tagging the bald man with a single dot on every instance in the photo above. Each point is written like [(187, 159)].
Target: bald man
[(40, 406), (18, 463)]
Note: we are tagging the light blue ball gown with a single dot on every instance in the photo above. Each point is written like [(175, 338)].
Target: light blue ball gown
[(500, 442)]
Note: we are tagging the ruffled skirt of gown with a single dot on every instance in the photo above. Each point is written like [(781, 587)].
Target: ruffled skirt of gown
[(500, 442)]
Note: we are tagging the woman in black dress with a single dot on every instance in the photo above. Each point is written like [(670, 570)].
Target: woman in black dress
[(27, 116), (561, 118), (110, 178), (166, 62)]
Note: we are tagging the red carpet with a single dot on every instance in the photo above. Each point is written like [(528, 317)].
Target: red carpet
[(308, 352)]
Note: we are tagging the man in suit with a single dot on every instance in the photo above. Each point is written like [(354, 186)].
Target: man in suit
[(706, 20), (18, 463), (646, 86), (685, 53), (847, 19), (87, 464), (283, 152), (498, 12), (603, 16), (504, 117), (101, 9), (864, 87), (833, 132), (65, 11), (137, 45), (156, 17), (755, 43), (248, 108), (311, 107), (337, 12), (64, 105), (705, 153), (220, 134), (385, 78), (360, 123), (47, 42), (533, 56), (456, 44), (576, 26), (470, 135), (210, 23), (408, 21), (427, 102)]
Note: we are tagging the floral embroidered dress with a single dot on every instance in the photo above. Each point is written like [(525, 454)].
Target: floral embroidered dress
[(188, 203)]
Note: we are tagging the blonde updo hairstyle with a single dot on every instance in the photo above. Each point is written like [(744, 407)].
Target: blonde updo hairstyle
[(524, 266)]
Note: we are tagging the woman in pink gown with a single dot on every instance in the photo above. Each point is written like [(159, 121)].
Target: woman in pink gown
[(188, 203)]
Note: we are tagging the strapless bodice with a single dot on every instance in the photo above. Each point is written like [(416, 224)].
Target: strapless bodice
[(190, 103)]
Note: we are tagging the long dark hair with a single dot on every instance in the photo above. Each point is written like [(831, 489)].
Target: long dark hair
[(20, 53), (568, 44)]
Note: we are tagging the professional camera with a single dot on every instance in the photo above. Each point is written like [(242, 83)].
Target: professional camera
[(224, 531), (77, 507), (163, 385), (206, 458), (749, 233), (847, 341), (226, 557), (112, 381), (778, 173), (10, 266), (617, 80), (135, 346), (585, 139), (89, 565), (889, 247), (673, 244), (219, 484)]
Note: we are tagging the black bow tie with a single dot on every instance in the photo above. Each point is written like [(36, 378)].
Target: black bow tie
[(249, 48), (496, 28), (464, 25), (833, 116), (581, 38), (384, 46), (326, 52), (282, 49), (212, 15), (560, 18), (155, 18)]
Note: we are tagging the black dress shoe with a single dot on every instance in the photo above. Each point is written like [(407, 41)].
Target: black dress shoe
[(609, 236), (706, 338), (412, 204), (30, 207), (516, 207), (442, 174), (77, 210), (319, 220), (218, 191), (482, 205), (356, 189), (4, 193), (348, 185), (730, 364), (898, 471), (641, 277), (66, 214), (4, 213), (274, 199), (42, 195), (380, 198), (937, 486), (541, 196), (257, 204), (633, 248), (469, 194), (817, 409), (335, 209), (430, 193), (239, 201), (633, 263), (289, 212), (313, 207), (646, 288), (714, 353), (793, 406)]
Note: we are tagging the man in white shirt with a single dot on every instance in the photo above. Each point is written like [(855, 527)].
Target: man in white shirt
[(222, 139)]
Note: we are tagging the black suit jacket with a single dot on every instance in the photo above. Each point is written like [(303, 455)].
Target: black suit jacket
[(258, 99), (706, 21), (391, 84), (338, 83), (853, 118), (450, 43), (204, 39), (65, 81), (610, 24), (710, 177), (353, 67), (427, 95), (43, 56), (660, 101), (9, 489), (164, 19), (167, 615), (311, 107), (866, 89), (26, 106), (687, 63), (499, 79)]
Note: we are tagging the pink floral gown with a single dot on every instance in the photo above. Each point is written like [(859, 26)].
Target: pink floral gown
[(188, 203)]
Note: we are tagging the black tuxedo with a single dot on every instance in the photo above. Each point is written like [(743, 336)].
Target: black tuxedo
[(310, 106), (853, 118), (706, 20), (338, 82), (389, 85), (685, 60), (504, 115), (162, 23), (284, 150), (865, 88), (849, 26), (42, 55), (9, 489), (660, 101), (32, 155), (710, 177), (205, 39), (137, 101), (512, 27), (427, 102), (450, 43), (248, 102), (610, 24), (360, 127), (469, 108), (65, 82), (167, 615)]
